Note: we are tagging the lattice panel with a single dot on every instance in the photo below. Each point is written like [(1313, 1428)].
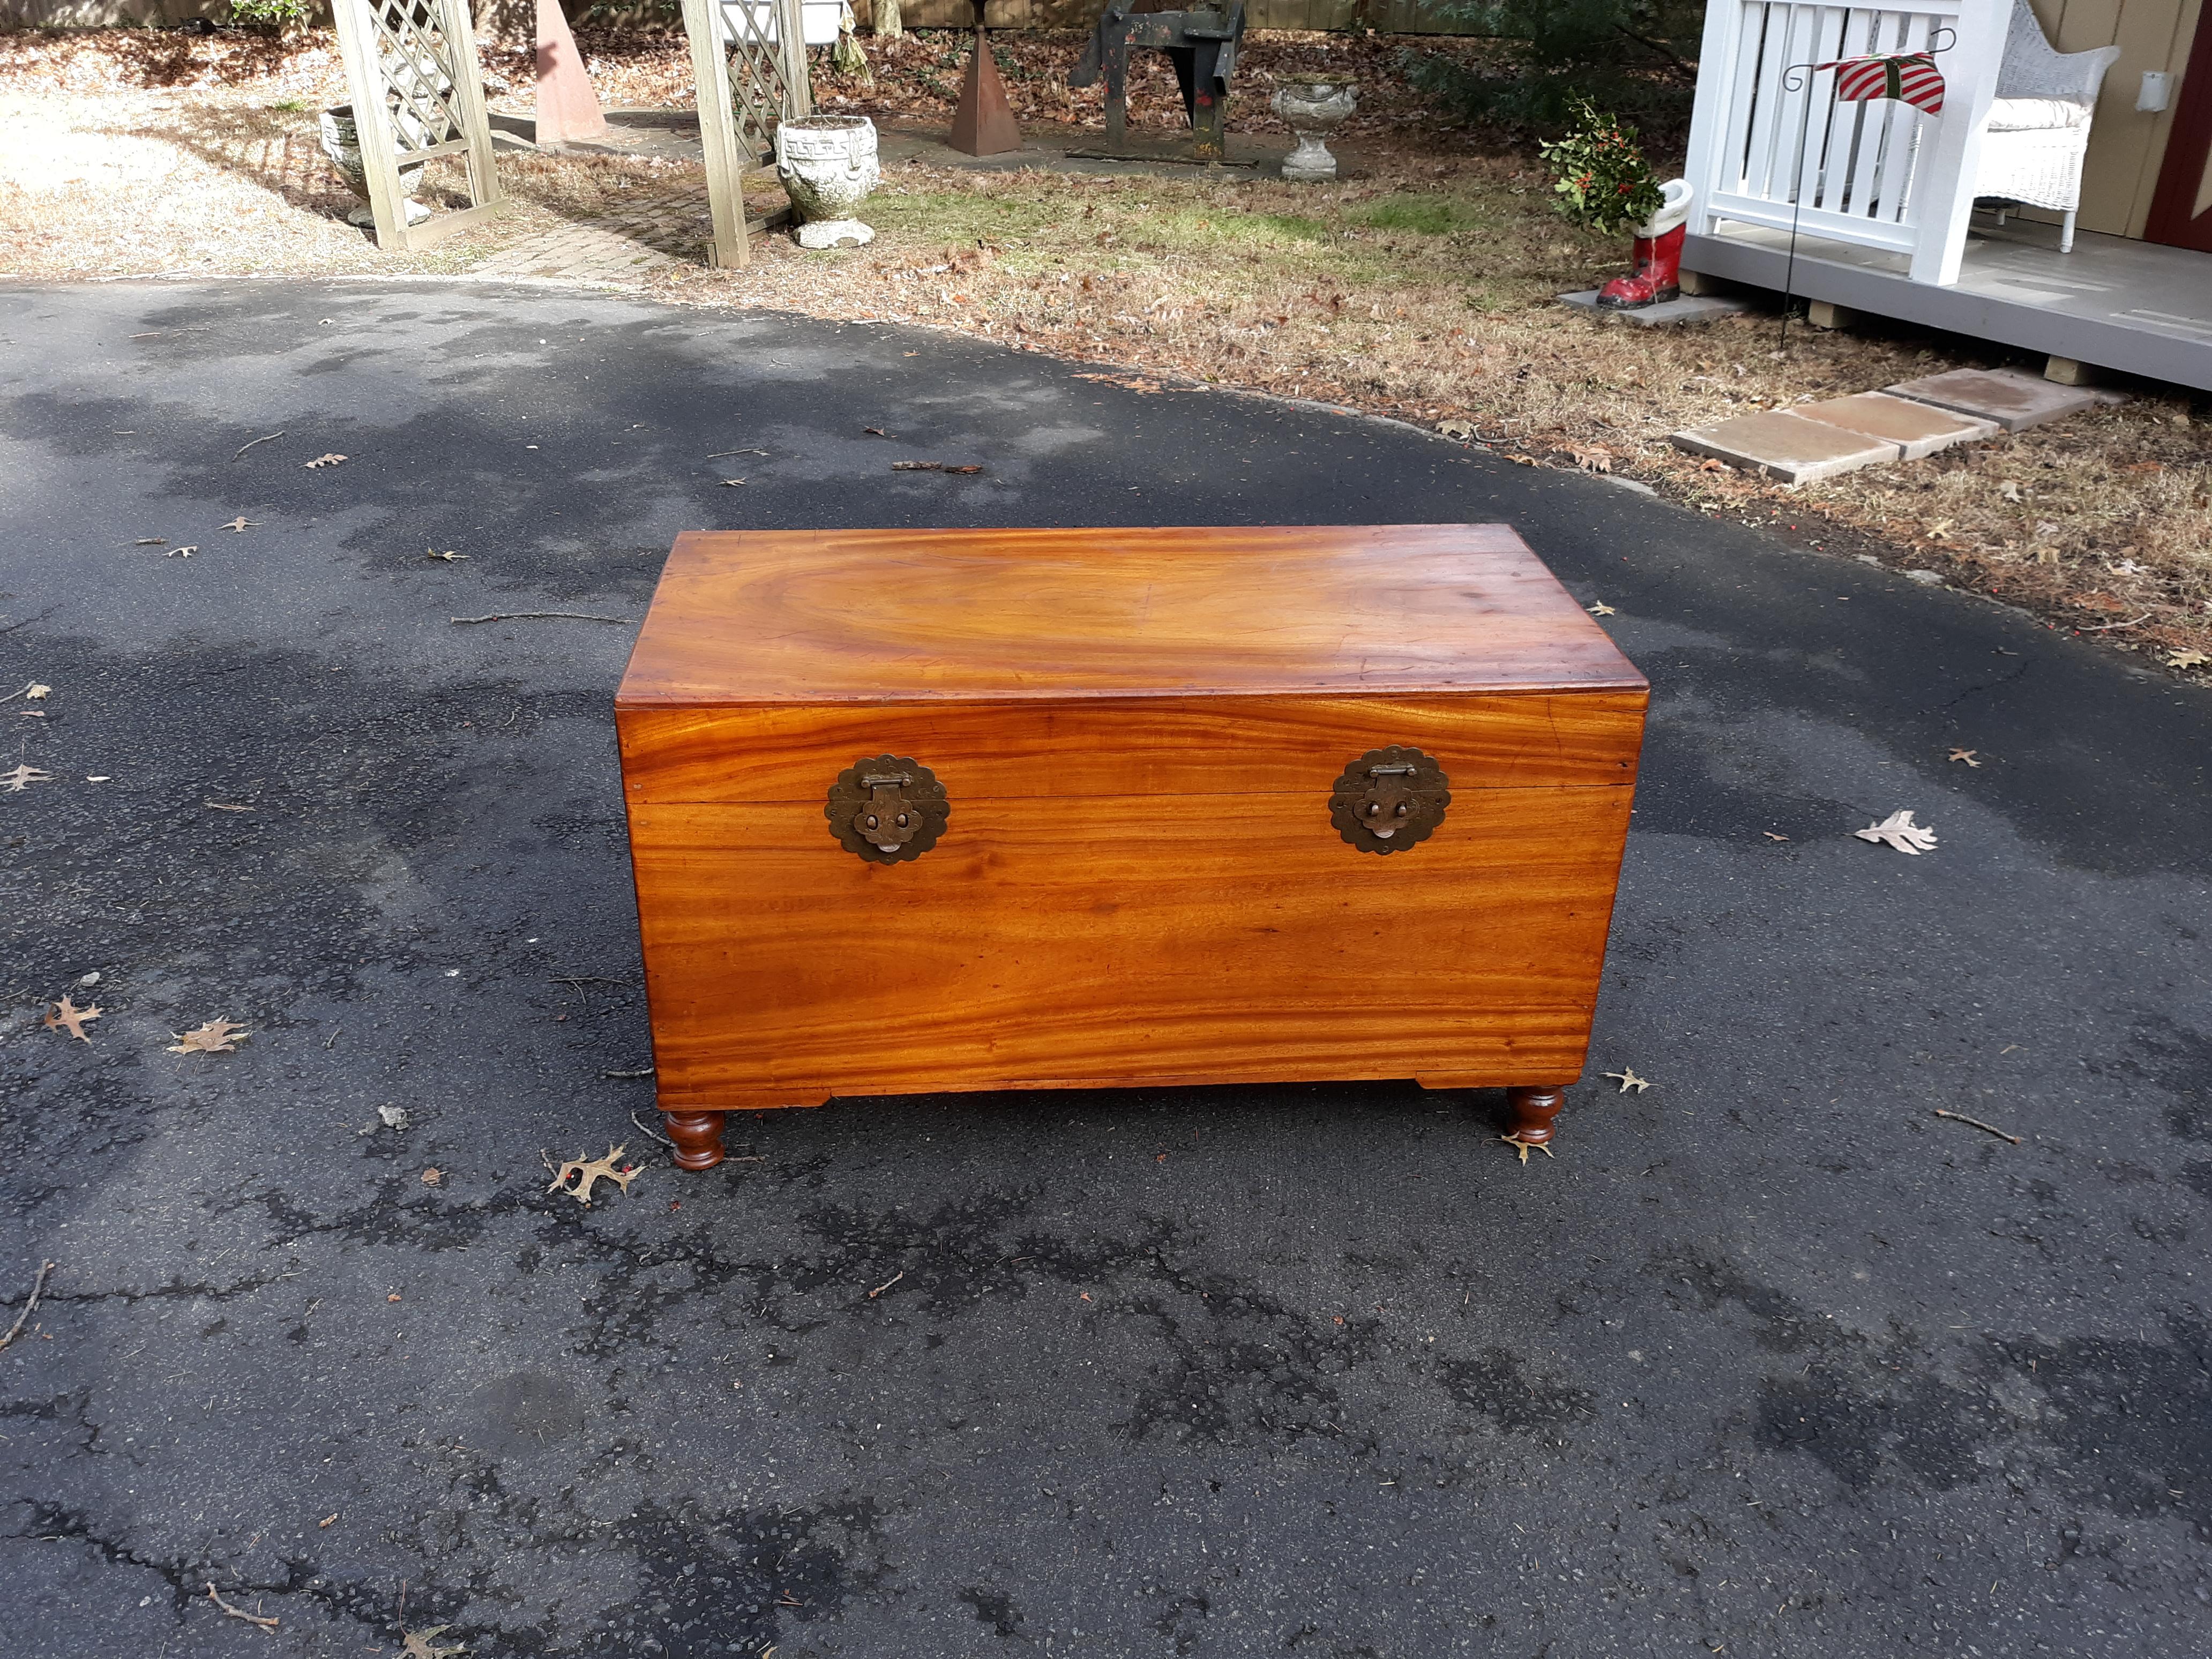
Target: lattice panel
[(762, 70), (416, 62)]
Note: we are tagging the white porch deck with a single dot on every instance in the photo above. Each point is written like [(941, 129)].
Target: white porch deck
[(2135, 306)]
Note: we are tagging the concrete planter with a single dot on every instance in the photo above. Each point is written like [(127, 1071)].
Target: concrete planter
[(342, 143), (827, 167), (1313, 110)]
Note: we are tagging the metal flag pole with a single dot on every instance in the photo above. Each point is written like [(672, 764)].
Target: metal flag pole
[(1797, 78)]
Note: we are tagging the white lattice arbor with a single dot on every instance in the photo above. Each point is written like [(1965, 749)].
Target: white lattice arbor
[(749, 63), (417, 93)]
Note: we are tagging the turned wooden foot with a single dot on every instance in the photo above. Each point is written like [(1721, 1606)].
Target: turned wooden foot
[(698, 1137), (1532, 1111)]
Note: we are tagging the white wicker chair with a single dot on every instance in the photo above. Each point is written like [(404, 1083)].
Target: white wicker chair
[(2038, 126)]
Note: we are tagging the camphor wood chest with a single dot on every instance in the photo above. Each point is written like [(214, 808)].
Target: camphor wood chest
[(915, 810)]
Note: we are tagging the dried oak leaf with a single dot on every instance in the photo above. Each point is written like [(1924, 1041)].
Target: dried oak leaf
[(22, 778), (321, 460), (2177, 660), (422, 1645), (1898, 831), (67, 1016), (1460, 431), (575, 1176), (36, 692), (218, 1036)]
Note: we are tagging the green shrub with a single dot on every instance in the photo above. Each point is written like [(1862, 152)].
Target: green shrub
[(1599, 174), (285, 15)]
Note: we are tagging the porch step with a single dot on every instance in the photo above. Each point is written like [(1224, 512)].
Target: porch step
[(2013, 400)]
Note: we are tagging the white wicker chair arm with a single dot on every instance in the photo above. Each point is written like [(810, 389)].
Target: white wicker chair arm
[(2033, 67)]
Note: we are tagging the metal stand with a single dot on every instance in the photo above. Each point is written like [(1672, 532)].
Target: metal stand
[(1202, 42), (984, 124)]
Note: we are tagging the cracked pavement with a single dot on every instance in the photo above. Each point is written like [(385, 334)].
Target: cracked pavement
[(1769, 1360)]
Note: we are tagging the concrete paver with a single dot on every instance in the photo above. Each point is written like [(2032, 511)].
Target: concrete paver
[(1917, 429), (1780, 445), (2006, 396)]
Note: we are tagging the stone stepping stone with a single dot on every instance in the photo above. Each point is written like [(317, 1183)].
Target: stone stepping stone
[(1786, 446), (1688, 308), (1916, 428), (2013, 400)]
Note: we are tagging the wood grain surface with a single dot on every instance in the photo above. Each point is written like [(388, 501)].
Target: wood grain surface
[(1161, 745), (886, 616), (1068, 942)]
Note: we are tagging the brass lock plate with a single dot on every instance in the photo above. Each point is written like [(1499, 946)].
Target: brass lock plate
[(887, 810), (1389, 799)]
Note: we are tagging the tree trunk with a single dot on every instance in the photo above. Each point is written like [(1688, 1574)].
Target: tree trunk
[(888, 26)]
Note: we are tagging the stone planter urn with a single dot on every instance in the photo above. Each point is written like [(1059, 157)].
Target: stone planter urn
[(1313, 110), (342, 143), (827, 167)]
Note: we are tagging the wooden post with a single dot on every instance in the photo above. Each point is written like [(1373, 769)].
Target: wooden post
[(791, 42), (1709, 115), (468, 92), (1943, 186), (718, 134), (372, 124)]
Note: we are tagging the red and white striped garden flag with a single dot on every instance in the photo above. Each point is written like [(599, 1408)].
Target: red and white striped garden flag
[(1912, 79)]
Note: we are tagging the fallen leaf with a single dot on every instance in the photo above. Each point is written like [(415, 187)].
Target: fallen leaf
[(227, 807), (1521, 1146), (2010, 490), (420, 1645), (394, 1117), (1593, 460), (875, 432), (583, 1172), (321, 460), (1940, 530), (1712, 465), (36, 692), (241, 524), (1966, 755), (326, 1523), (1601, 608), (67, 1016), (1628, 1079), (1521, 460), (1462, 431), (2187, 660), (151, 541), (181, 552), (431, 1177), (101, 778), (732, 483), (931, 466), (218, 1036), (2144, 466), (23, 777), (1898, 831), (449, 556), (394, 1296)]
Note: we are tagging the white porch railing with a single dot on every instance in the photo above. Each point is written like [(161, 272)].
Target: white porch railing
[(1768, 146)]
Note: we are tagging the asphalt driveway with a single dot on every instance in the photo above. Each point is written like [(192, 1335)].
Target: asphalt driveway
[(1769, 1360)]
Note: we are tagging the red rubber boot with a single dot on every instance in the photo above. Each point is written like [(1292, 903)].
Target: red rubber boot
[(1658, 274), (1627, 293)]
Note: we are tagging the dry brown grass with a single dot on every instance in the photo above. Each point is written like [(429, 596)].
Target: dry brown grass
[(1423, 290)]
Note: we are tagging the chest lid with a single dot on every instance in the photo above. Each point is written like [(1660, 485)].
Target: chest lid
[(961, 616)]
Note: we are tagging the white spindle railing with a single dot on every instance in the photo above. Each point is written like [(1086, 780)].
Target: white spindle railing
[(1771, 144)]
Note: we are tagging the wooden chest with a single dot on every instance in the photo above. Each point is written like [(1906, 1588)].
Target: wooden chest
[(915, 810)]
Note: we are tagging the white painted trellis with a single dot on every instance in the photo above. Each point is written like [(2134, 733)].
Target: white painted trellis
[(417, 93), (1773, 148), (749, 65)]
